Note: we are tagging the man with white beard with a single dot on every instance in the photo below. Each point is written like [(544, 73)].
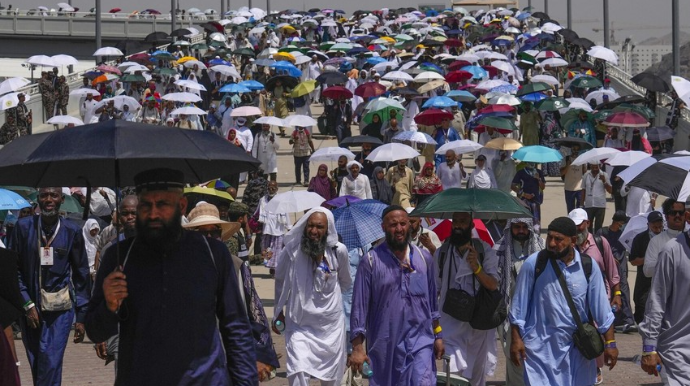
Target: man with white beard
[(312, 273)]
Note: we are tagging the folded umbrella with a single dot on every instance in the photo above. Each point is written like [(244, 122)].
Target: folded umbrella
[(485, 204)]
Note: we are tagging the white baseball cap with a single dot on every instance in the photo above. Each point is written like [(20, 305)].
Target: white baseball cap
[(578, 216)]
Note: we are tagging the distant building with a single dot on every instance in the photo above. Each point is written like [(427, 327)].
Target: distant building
[(485, 4), (634, 59)]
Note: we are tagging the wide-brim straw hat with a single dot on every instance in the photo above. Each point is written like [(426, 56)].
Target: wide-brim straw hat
[(207, 214)]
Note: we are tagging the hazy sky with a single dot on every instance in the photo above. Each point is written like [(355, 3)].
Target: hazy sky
[(640, 19)]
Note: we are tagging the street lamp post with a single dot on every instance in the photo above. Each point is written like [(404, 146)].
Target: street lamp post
[(546, 7), (570, 14), (675, 36), (98, 28), (606, 23), (173, 16)]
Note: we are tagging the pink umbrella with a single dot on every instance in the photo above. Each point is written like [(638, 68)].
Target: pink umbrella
[(110, 69), (626, 119)]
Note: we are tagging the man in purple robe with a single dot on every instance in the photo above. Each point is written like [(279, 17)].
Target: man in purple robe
[(394, 308)]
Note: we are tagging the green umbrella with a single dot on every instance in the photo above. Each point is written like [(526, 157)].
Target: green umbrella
[(165, 71), (498, 123), (586, 81), (603, 114), (552, 104), (129, 78), (526, 57), (533, 87), (289, 48), (325, 46), (403, 37), (485, 204), (571, 116), (199, 46), (244, 52), (382, 107), (642, 110)]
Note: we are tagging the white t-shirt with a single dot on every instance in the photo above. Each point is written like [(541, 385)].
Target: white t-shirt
[(450, 177), (595, 191)]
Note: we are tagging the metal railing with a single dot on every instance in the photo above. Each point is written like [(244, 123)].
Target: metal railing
[(134, 15)]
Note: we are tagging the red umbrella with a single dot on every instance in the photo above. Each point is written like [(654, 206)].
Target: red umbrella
[(458, 76), (432, 117), (626, 119), (370, 89), (115, 10), (458, 64), (140, 58), (496, 109), (481, 128), (443, 229), (493, 71), (110, 69), (337, 92), (467, 86), (453, 43)]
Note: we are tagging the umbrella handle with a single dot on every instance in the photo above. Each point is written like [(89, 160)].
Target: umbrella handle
[(87, 204)]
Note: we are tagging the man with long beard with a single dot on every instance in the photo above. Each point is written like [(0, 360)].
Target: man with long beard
[(169, 290), (313, 271), (394, 307), (467, 263), (542, 324)]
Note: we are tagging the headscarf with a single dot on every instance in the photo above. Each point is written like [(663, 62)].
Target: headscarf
[(295, 234), (384, 193), (321, 185), (504, 251), (90, 241), (425, 184), (350, 165), (374, 127)]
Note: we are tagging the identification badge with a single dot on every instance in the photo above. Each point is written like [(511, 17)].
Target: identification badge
[(46, 256)]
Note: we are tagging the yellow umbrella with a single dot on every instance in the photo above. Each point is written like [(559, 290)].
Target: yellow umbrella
[(284, 56), (303, 88), (440, 38), (503, 143), (506, 37), (289, 29), (209, 192), (185, 59), (388, 39), (428, 86)]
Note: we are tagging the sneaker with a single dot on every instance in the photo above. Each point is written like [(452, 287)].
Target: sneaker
[(306, 185), (298, 183)]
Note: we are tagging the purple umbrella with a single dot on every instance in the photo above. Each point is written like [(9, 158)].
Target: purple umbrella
[(342, 201)]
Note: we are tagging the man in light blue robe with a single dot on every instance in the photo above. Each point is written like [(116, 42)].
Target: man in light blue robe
[(542, 323)]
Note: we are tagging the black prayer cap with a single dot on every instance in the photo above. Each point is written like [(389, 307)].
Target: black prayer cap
[(391, 208), (159, 179), (564, 226)]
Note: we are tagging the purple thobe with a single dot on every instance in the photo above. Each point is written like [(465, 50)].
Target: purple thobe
[(394, 309)]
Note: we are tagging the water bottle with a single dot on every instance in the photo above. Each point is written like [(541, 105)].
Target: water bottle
[(280, 326), (637, 359), (614, 309), (366, 370)]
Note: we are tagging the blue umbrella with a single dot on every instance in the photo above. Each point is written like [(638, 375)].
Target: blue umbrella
[(357, 51), (502, 42), (533, 97), (375, 60), (537, 154), (10, 200), (523, 16), (462, 95), (264, 62), (477, 72), (440, 102), (287, 67), (343, 200), (234, 88), (216, 62), (252, 85), (506, 89), (431, 67), (359, 223)]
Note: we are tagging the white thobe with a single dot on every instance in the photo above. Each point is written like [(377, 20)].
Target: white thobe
[(639, 200), (359, 187), (266, 151), (88, 110), (450, 177), (226, 119), (408, 123), (246, 135)]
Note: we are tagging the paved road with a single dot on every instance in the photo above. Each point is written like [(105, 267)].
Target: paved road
[(82, 367)]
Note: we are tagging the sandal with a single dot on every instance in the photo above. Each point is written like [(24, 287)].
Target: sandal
[(600, 377)]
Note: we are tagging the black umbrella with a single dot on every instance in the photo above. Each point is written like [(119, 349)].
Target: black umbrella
[(129, 46), (540, 15), (331, 77), (431, 43), (180, 32), (573, 141), (660, 133), (651, 82), (580, 64), (358, 140), (583, 42), (406, 91), (155, 37), (212, 26), (286, 80), (111, 153), (568, 34), (629, 99), (315, 10), (666, 177)]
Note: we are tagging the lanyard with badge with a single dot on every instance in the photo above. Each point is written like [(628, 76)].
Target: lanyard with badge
[(46, 252)]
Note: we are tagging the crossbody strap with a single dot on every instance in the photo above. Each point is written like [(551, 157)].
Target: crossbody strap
[(566, 293)]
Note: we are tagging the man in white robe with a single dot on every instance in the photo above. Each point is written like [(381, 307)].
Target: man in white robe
[(265, 149), (312, 273)]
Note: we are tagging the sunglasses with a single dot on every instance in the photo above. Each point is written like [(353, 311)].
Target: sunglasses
[(212, 233), (676, 212)]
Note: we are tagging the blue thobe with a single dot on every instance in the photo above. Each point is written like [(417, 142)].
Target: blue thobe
[(45, 346), (394, 309), (183, 323), (541, 312), (576, 130)]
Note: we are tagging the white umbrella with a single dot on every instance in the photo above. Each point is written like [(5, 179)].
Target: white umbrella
[(10, 100), (13, 84), (427, 76), (226, 70), (415, 136), (122, 100), (238, 20), (460, 146), (398, 75), (42, 60), (188, 110), (551, 27), (505, 99), (598, 95), (294, 201), (299, 120), (604, 54), (186, 97), (635, 169), (554, 62), (332, 154), (385, 66), (548, 79), (245, 111), (634, 227), (270, 121), (191, 63), (576, 103), (66, 7), (65, 60), (627, 158), (595, 155), (472, 58), (301, 59), (108, 51), (190, 84), (492, 83), (84, 91), (192, 32), (267, 53), (504, 66), (497, 56), (65, 120), (392, 152), (218, 37), (431, 85)]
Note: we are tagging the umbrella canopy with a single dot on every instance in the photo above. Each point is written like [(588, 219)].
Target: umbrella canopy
[(299, 121), (627, 158), (155, 37), (343, 200), (270, 121), (65, 120), (359, 223), (10, 200), (397, 75), (503, 143), (626, 119), (337, 92), (370, 89), (392, 152), (234, 88), (634, 227), (498, 123), (460, 146), (188, 110), (537, 154), (552, 104), (461, 95), (439, 102), (108, 51), (415, 136), (331, 154), (586, 81), (10, 100), (294, 201), (651, 82), (660, 133), (432, 117), (595, 155), (246, 111), (573, 141), (303, 88), (185, 97), (485, 204), (533, 88), (286, 80), (332, 77), (603, 53), (358, 140), (13, 84), (209, 191), (252, 85), (668, 177), (112, 152)]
